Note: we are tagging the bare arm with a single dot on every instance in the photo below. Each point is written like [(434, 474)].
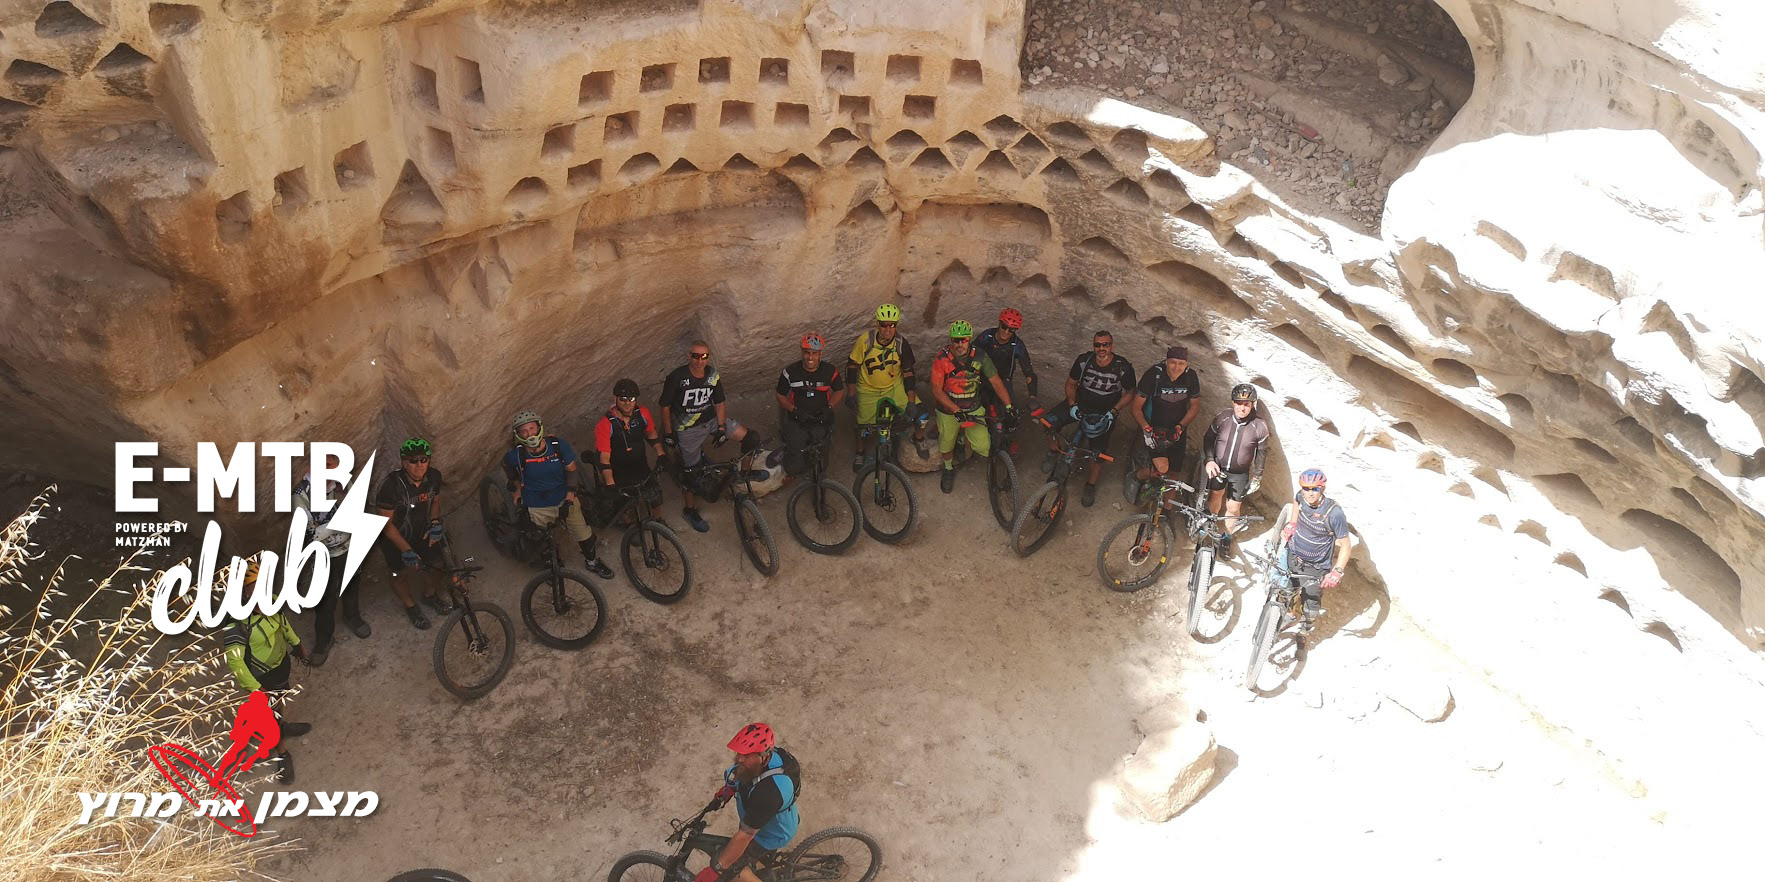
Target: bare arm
[(1139, 411), (738, 844)]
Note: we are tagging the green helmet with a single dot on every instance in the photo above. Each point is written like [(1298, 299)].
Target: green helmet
[(888, 312), (415, 445), (961, 330)]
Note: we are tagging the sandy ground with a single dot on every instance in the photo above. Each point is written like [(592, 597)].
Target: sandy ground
[(968, 708)]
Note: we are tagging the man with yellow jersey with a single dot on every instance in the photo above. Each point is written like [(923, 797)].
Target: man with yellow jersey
[(881, 367)]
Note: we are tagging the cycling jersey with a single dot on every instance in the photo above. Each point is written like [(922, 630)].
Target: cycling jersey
[(1314, 540), (408, 502), (1005, 356), (1233, 445), (542, 474), (962, 378), (1167, 400), (881, 366), (768, 806), (621, 439), (256, 646), (318, 527), (689, 399), (1100, 386), (809, 391)]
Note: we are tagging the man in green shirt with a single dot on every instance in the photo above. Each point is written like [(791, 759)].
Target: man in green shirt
[(258, 649)]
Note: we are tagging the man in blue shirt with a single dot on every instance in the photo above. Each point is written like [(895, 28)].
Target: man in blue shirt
[(539, 468), (764, 784), (1314, 536)]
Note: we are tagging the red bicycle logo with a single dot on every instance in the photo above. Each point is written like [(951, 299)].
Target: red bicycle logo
[(174, 761)]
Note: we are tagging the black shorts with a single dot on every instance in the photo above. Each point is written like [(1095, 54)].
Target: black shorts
[(1170, 448), (429, 554), (1100, 443), (1236, 484)]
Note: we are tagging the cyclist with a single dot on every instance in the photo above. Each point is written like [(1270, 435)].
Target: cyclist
[(539, 467), (1165, 402), (763, 782), (1099, 386), (1236, 445), (1004, 345), (410, 499), (257, 649), (619, 440), (879, 368), (957, 376), (336, 543), (692, 411), (1313, 533), (807, 391)]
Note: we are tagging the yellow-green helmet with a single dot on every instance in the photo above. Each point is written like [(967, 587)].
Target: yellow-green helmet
[(961, 330), (888, 312)]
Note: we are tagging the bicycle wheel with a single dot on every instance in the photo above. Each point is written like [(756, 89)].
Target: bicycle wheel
[(645, 866), (472, 657), (1035, 521), (428, 876), (827, 521), (838, 854), (1136, 563), (496, 506), (886, 499), (563, 610), (656, 563), (1266, 626), (1200, 581), (1002, 488), (756, 537)]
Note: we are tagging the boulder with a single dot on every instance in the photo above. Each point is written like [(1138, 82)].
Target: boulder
[(1172, 767)]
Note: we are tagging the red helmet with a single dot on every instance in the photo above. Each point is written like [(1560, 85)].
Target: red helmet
[(753, 738), (813, 340), (1010, 318)]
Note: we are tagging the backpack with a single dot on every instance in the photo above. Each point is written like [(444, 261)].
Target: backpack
[(791, 769)]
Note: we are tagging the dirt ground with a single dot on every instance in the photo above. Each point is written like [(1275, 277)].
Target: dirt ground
[(969, 708)]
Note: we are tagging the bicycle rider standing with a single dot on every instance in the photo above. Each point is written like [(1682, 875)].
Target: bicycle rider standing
[(807, 392), (960, 376), (1100, 385), (1165, 402), (1236, 445), (693, 410), (540, 467), (880, 368), (1004, 345), (763, 782), (1314, 536)]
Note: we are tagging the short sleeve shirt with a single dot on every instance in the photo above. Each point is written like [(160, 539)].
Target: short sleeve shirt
[(1167, 400), (408, 502), (691, 400), (1319, 529), (961, 378), (622, 440), (881, 365), (544, 478), (1100, 386), (809, 390)]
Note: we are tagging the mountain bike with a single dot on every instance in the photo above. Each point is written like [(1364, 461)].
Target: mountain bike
[(710, 479), (1002, 487), (1208, 533), (654, 560), (1153, 538), (560, 606), (476, 643), (837, 854), (1035, 521), (1283, 610), (884, 495), (822, 505)]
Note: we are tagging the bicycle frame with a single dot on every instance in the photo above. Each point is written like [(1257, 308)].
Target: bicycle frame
[(1072, 453), (690, 835), (888, 419)]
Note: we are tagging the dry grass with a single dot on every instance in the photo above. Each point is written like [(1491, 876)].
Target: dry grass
[(89, 684)]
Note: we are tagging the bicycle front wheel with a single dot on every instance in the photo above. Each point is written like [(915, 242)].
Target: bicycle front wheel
[(756, 537), (838, 854), (886, 498), (1200, 582), (1035, 522), (1002, 488), (656, 562), (473, 654), (824, 516), (1134, 552), (563, 610), (1266, 626), (496, 507), (646, 866)]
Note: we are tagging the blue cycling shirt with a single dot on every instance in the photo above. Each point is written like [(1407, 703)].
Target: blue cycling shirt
[(544, 481), (767, 806)]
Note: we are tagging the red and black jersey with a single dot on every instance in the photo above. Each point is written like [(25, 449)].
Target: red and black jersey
[(622, 439)]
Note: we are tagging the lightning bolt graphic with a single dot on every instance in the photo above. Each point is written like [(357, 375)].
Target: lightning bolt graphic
[(352, 517)]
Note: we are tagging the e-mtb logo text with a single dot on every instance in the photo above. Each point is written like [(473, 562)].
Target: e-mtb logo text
[(235, 478)]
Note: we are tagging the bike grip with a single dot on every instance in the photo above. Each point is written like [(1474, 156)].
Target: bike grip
[(1185, 487), (1106, 457)]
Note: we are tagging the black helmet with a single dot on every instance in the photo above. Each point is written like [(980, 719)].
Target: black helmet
[(1243, 392), (625, 388)]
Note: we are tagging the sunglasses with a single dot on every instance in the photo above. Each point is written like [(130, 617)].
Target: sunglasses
[(1101, 345), (885, 324), (628, 398), (699, 355), (416, 459), (1304, 489)]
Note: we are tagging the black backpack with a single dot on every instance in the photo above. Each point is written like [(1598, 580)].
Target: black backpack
[(790, 769)]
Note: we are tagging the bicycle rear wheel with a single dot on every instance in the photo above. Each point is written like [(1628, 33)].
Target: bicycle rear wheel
[(496, 507), (646, 866), (1137, 562), (656, 562), (1200, 582), (1035, 522), (563, 610), (826, 521), (1266, 626), (886, 499), (428, 876), (473, 655), (757, 542), (838, 854), (1002, 487)]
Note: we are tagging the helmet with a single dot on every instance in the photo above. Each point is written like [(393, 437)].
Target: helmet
[(626, 388), (1312, 478), (251, 571), (813, 341), (522, 419), (961, 330), (1095, 424), (1244, 392), (415, 445), (1010, 318), (888, 312), (753, 738)]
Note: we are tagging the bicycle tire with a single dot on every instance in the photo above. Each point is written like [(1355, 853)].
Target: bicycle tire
[(751, 526), (533, 615), (1163, 559), (1002, 494), (802, 864), (654, 559), (428, 876), (496, 508), (888, 474), (1043, 508), (489, 617), (838, 495), (1200, 580), (1266, 625), (622, 867)]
